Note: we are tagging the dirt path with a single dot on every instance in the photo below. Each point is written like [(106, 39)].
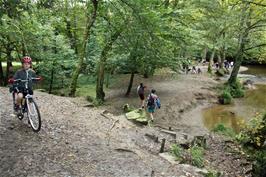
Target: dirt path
[(74, 141), (82, 141)]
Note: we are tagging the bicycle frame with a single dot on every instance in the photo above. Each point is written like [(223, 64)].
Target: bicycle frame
[(28, 106)]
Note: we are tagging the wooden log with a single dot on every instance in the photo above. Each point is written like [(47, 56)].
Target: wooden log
[(162, 146), (153, 137), (169, 132)]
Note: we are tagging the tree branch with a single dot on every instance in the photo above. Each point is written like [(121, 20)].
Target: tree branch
[(258, 4), (260, 45)]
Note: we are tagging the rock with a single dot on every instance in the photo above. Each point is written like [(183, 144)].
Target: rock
[(105, 112), (202, 171), (88, 105), (169, 157)]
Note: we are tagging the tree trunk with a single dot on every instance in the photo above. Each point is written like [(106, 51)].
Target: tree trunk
[(204, 54), (220, 63), (101, 66), (130, 83), (242, 40), (8, 65), (211, 61), (82, 53), (222, 52), (107, 80), (1, 74), (146, 74), (100, 79), (51, 81), (222, 58)]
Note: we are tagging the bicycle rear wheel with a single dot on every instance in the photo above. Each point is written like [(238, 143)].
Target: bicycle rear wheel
[(34, 115)]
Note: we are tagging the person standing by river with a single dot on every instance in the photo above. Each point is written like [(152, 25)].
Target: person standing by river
[(141, 91), (153, 102)]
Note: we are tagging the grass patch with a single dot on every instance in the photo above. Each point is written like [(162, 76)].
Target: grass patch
[(221, 129), (197, 156), (259, 167), (176, 151), (236, 89), (86, 91), (225, 97), (193, 156)]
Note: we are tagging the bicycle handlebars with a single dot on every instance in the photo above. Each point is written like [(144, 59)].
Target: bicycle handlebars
[(12, 80)]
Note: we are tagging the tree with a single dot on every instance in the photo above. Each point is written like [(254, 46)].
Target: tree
[(251, 21), (82, 53)]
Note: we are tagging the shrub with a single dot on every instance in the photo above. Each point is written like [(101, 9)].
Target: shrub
[(197, 156), (220, 128), (259, 167), (176, 150), (225, 97), (220, 72), (193, 156), (236, 89), (127, 108), (254, 133), (97, 102), (90, 98)]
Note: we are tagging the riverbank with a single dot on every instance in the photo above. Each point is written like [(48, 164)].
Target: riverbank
[(77, 140)]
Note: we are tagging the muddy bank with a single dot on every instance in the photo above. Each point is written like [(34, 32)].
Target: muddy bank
[(182, 99)]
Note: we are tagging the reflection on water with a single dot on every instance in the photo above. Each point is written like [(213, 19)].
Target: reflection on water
[(242, 110), (221, 114), (257, 70), (256, 98)]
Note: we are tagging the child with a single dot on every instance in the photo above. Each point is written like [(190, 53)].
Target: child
[(141, 90), (152, 103), (25, 73)]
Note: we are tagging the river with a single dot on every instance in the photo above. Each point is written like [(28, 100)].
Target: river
[(242, 109)]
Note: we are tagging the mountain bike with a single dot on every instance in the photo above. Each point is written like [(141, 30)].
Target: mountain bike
[(28, 106)]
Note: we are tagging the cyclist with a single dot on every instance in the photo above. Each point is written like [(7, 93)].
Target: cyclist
[(26, 73)]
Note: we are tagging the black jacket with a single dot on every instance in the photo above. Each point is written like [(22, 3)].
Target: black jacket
[(24, 75)]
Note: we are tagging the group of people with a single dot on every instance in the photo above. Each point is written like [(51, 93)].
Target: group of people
[(226, 64), (152, 101), (193, 70)]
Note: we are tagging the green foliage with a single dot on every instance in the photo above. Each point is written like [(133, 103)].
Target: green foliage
[(225, 97), (260, 163), (177, 151), (86, 90), (254, 132), (155, 34), (97, 102), (127, 108), (213, 173), (236, 90), (197, 158), (193, 155), (220, 72), (220, 128), (231, 91)]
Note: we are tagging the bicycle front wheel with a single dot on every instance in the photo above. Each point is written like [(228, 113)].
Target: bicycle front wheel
[(34, 115)]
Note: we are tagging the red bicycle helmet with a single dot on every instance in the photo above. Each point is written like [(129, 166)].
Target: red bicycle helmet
[(26, 59)]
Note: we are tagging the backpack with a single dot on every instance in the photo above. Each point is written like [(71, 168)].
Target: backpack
[(158, 103), (151, 101)]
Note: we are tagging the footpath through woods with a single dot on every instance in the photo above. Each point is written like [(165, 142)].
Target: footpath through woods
[(76, 140)]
